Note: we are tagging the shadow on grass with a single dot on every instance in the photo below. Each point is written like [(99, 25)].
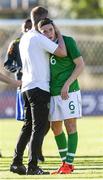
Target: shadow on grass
[(59, 157), (53, 162)]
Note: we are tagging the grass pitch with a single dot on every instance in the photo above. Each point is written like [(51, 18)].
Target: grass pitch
[(89, 157)]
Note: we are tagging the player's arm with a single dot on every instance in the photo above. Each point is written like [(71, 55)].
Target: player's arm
[(77, 71), (13, 82)]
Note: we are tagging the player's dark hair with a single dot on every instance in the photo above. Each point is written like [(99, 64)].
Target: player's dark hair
[(44, 22)]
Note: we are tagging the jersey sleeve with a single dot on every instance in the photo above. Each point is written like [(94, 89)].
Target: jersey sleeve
[(10, 55), (12, 60), (47, 44), (72, 48)]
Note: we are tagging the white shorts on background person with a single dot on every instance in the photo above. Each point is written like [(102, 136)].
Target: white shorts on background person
[(65, 109)]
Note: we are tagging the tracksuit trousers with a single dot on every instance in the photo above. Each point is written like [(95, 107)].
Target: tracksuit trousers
[(36, 111)]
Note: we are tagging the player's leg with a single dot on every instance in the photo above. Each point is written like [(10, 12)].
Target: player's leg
[(56, 119), (67, 153), (60, 138), (71, 129), (72, 111)]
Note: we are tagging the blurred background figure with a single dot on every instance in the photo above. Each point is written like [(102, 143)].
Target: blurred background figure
[(13, 60), (14, 65)]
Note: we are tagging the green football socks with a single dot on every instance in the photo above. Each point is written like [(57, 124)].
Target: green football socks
[(62, 145), (72, 146)]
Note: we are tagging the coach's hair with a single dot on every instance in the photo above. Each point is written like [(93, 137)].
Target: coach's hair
[(37, 14)]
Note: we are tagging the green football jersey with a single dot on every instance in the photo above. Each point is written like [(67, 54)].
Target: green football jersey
[(62, 68)]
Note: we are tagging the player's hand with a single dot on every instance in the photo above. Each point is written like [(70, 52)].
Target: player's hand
[(64, 91)]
